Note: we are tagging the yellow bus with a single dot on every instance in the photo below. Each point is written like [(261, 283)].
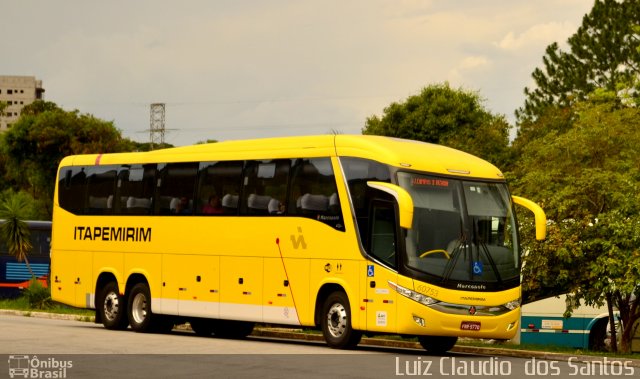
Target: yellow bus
[(348, 234)]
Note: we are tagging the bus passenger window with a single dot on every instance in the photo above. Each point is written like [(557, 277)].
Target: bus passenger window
[(135, 189), (314, 193), (101, 182), (71, 189), (265, 187), (219, 188), (176, 184)]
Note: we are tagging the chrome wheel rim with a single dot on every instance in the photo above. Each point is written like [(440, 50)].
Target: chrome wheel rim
[(111, 306), (139, 308), (337, 320)]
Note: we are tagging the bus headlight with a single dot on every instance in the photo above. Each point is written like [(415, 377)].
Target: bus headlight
[(513, 304), (413, 295)]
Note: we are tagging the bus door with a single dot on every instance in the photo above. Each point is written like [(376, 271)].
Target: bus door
[(380, 302)]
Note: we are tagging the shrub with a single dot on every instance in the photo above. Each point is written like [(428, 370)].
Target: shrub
[(38, 296)]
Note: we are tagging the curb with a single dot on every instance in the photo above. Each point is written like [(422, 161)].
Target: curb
[(367, 341), (53, 316)]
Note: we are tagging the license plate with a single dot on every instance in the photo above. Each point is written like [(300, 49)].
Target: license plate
[(470, 325)]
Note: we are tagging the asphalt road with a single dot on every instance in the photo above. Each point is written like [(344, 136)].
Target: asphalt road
[(73, 349)]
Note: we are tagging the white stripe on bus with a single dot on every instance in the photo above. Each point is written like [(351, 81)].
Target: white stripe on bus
[(561, 331), (241, 312)]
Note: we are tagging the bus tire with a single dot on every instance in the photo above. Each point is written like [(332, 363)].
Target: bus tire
[(598, 335), (112, 307), (140, 315), (202, 327), (232, 328), (336, 322), (437, 344)]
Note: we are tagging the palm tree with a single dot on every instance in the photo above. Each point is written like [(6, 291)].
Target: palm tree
[(14, 231)]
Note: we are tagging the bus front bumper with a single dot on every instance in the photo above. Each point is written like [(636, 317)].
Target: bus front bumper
[(418, 319)]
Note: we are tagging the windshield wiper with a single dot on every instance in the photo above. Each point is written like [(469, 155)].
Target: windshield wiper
[(453, 258), (494, 267)]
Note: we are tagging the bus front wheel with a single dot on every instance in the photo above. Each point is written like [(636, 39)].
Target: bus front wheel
[(336, 322), (437, 344), (112, 308)]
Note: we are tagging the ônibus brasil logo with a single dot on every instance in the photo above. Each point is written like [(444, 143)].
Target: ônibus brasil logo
[(25, 366)]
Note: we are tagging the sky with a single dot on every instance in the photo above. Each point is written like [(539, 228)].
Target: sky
[(246, 69)]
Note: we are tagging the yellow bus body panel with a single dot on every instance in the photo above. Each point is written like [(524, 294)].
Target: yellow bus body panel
[(265, 269)]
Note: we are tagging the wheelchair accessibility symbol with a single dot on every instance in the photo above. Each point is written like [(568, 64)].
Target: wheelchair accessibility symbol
[(477, 268), (370, 272)]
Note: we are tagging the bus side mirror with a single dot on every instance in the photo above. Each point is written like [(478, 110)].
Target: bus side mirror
[(541, 218), (405, 202)]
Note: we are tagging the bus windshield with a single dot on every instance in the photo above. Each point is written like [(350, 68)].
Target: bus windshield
[(463, 231)]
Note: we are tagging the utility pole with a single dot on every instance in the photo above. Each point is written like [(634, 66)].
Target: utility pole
[(156, 128)]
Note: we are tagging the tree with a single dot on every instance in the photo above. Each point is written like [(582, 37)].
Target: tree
[(442, 115), (554, 119), (14, 231), (616, 266), (588, 179), (147, 146), (43, 135), (32, 209), (603, 54), (39, 106), (577, 142)]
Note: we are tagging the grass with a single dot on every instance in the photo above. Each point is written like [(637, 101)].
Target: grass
[(22, 304)]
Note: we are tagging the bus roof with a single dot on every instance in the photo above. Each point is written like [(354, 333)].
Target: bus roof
[(396, 152), (416, 155)]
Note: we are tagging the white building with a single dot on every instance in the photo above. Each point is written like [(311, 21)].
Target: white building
[(16, 92)]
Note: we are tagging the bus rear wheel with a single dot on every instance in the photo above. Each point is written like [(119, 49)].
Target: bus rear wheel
[(437, 344), (141, 317), (336, 322), (112, 308)]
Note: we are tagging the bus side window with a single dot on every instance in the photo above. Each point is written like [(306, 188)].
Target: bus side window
[(100, 188), (358, 172), (71, 189), (40, 242), (265, 187), (314, 193), (383, 232), (135, 189), (176, 184), (220, 181)]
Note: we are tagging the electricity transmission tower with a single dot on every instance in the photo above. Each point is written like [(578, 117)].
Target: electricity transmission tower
[(156, 128)]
